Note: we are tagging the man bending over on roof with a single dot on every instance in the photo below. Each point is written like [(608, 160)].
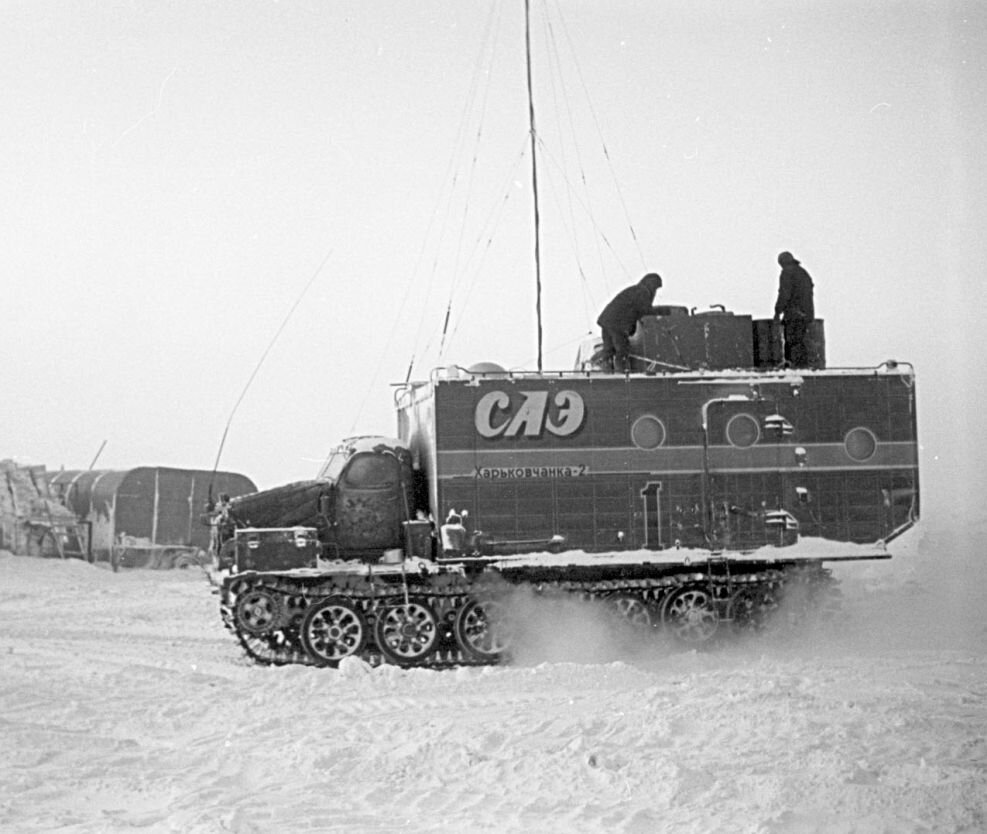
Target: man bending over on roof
[(619, 319)]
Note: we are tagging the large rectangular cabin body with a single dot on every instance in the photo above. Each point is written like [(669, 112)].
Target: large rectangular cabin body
[(730, 461)]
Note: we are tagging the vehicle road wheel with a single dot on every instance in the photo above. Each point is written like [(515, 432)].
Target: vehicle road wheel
[(407, 634), (186, 561), (483, 630), (630, 610), (751, 609), (332, 630), (689, 614), (257, 612)]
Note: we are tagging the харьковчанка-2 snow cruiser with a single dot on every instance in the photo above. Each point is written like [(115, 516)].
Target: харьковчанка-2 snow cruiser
[(702, 500)]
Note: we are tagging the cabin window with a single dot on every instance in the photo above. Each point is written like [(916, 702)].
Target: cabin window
[(648, 432), (860, 443), (334, 466), (371, 471), (743, 431)]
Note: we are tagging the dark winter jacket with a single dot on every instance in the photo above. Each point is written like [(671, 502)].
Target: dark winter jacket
[(795, 293), (628, 306)]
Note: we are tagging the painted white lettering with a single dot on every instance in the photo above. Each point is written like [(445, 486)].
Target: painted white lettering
[(483, 418), (572, 409), (496, 417), (530, 415)]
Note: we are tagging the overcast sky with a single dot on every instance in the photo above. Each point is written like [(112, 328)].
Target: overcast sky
[(173, 175)]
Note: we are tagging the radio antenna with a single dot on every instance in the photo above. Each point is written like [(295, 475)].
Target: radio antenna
[(246, 387), (534, 173)]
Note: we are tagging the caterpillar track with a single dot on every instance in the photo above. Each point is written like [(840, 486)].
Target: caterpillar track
[(440, 616)]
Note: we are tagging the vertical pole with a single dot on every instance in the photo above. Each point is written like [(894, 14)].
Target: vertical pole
[(157, 500), (534, 174), (191, 509)]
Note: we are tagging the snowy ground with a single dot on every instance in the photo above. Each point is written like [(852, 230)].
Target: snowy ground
[(124, 705)]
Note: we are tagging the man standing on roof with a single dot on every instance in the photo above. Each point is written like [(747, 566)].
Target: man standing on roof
[(795, 309), (619, 319)]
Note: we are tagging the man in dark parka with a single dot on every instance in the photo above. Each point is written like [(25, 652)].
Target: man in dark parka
[(795, 309), (619, 319)]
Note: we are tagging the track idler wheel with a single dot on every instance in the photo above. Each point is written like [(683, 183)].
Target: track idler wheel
[(407, 634), (483, 631), (257, 612), (689, 614), (332, 630)]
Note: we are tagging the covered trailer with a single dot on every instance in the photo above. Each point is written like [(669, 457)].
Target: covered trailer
[(151, 516)]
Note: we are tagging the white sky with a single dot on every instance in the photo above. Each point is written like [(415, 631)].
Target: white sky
[(173, 175)]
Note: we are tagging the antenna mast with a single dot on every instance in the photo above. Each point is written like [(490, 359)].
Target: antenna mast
[(534, 173)]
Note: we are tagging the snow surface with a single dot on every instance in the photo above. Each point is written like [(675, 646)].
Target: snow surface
[(125, 705)]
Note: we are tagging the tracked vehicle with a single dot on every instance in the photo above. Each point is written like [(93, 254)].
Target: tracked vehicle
[(704, 492)]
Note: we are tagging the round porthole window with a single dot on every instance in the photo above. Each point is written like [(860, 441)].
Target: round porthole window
[(648, 432), (743, 431), (860, 443)]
